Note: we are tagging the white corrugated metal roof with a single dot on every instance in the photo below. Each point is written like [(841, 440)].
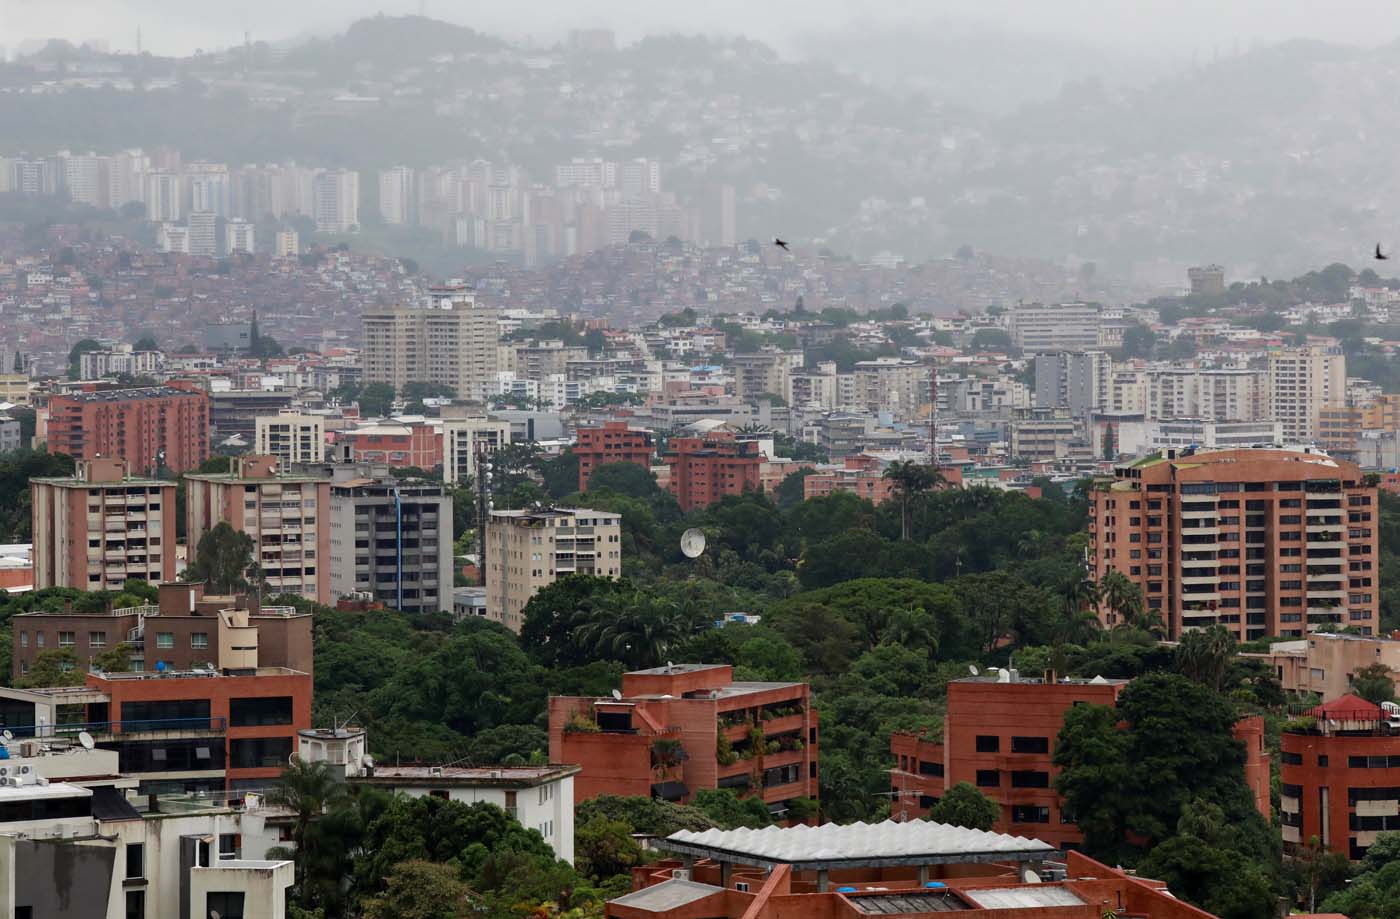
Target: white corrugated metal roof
[(1027, 896), (667, 895), (859, 841)]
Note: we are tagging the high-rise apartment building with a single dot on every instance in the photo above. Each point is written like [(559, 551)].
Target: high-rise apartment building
[(163, 197), (1302, 382), (1264, 542), (764, 372), (392, 539), (335, 197), (452, 342), (239, 237), (284, 514), (706, 469), (530, 549), (466, 439), (149, 427), (612, 442), (102, 525), (204, 233), (1080, 381), (1041, 327), (1206, 394), (288, 244), (398, 196), (291, 437), (1206, 281)]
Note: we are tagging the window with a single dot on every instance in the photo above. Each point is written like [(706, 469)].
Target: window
[(253, 712), (988, 743), (135, 860), (227, 905), (930, 768), (97, 639), (1029, 778), (988, 778), (199, 640), (165, 639), (67, 639), (1029, 813), (1030, 745), (24, 639), (136, 904), (259, 753), (228, 845)]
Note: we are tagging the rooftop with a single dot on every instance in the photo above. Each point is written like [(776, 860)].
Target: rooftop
[(478, 776), (856, 845), (668, 895), (128, 395)]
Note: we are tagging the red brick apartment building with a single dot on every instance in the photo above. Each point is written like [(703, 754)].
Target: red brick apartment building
[(100, 526), (1000, 737), (1341, 777), (184, 630), (683, 727), (706, 469), (613, 442), (1262, 541), (145, 427)]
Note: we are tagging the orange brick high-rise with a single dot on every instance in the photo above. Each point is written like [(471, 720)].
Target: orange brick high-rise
[(613, 442), (705, 469), (147, 427), (1261, 541)]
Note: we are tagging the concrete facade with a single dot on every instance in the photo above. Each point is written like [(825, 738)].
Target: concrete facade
[(392, 538), (527, 550)]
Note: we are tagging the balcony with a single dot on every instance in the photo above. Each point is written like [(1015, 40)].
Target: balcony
[(106, 730)]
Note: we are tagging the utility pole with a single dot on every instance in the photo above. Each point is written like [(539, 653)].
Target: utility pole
[(933, 413)]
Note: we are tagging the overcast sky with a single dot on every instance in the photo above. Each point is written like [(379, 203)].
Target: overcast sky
[(179, 26)]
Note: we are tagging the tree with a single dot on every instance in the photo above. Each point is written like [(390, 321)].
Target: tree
[(1091, 753), (54, 667), (729, 811), (308, 790), (628, 479), (604, 848), (791, 489), (650, 816), (146, 343), (1205, 655), (116, 659), (420, 889), (224, 560), (963, 805), (910, 480), (1374, 683), (1138, 341), (989, 339)]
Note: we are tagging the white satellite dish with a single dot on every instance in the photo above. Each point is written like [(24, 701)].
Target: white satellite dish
[(85, 739), (617, 694), (8, 734), (693, 543), (972, 669)]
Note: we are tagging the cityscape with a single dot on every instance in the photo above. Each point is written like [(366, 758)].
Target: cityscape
[(576, 474)]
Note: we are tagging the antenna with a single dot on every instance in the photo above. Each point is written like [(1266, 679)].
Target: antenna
[(86, 740), (617, 694)]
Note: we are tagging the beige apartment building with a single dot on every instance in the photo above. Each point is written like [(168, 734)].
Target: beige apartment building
[(530, 549), (1206, 394), (14, 387), (1302, 382), (1326, 662), (287, 517), (291, 437), (764, 372), (101, 526), (451, 342)]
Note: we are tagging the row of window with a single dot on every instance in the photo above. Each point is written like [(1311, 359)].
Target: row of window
[(991, 743), (1020, 778)]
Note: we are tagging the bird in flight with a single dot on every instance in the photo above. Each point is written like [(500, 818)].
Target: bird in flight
[(784, 246), (1380, 256)]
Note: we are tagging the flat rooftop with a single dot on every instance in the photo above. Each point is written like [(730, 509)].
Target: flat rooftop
[(727, 691), (128, 395), (478, 776), (857, 845)]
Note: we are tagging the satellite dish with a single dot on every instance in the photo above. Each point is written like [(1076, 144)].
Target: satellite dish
[(972, 669), (85, 739), (214, 914), (693, 542), (617, 694), (8, 734)]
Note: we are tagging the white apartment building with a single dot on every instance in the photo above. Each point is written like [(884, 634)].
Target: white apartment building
[(1041, 327), (288, 244), (163, 197), (463, 439), (397, 198), (530, 549), (335, 197), (239, 237), (204, 233), (290, 436), (1207, 394), (94, 365), (1302, 382)]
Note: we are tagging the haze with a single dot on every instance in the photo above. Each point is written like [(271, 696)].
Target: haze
[(1181, 28)]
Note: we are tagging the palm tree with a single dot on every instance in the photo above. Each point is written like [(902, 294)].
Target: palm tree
[(1121, 596), (1204, 655), (910, 480), (638, 632), (308, 790)]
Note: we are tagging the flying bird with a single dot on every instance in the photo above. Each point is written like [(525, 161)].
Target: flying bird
[(784, 246), (1380, 256)]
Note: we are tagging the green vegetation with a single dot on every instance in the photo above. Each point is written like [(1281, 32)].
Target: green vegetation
[(964, 805)]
